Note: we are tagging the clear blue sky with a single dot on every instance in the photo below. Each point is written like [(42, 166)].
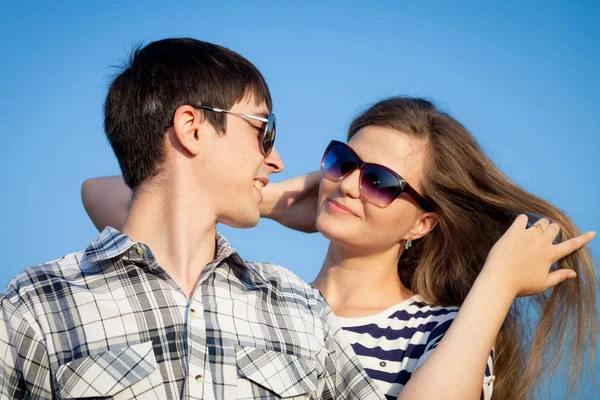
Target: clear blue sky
[(521, 75)]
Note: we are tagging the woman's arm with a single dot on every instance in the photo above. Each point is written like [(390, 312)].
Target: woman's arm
[(292, 203), (106, 201), (517, 265)]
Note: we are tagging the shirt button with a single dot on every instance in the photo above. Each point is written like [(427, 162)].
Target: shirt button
[(192, 313), (382, 364), (199, 379), (139, 249)]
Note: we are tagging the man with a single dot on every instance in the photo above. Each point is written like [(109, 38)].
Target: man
[(166, 309)]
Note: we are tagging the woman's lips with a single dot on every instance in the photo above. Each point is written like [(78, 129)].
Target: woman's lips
[(337, 207)]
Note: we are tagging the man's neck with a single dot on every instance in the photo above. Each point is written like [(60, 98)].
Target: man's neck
[(179, 228), (361, 285)]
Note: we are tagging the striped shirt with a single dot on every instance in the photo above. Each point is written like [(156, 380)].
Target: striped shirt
[(394, 343), (110, 322)]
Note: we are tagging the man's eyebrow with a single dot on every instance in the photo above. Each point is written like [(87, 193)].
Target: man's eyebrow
[(262, 114)]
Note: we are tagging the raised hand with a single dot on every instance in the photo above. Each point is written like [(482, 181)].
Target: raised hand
[(523, 256), (106, 201), (293, 202)]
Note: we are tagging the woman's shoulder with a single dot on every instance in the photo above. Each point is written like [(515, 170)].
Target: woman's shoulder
[(428, 318), (418, 307), (412, 312)]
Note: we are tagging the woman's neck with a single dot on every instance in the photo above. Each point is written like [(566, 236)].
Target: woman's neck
[(361, 285)]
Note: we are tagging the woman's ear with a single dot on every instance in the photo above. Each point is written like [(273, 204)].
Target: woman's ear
[(424, 225), (187, 126)]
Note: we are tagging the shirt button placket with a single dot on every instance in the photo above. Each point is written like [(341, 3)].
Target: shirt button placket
[(197, 345)]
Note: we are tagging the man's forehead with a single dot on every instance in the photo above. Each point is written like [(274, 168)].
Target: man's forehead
[(249, 104)]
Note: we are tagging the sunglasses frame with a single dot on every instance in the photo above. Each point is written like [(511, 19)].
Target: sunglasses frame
[(270, 122), (403, 185)]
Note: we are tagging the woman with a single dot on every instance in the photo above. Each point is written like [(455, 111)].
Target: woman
[(406, 251)]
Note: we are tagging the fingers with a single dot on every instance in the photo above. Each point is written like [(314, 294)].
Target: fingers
[(312, 181), (520, 222), (569, 246), (541, 225), (558, 276), (550, 231), (547, 228)]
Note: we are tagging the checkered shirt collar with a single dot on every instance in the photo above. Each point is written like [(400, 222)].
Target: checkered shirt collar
[(111, 244)]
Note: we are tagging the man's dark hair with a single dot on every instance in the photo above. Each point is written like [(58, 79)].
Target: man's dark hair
[(161, 77)]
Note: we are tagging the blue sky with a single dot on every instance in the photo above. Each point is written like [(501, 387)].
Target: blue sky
[(522, 77)]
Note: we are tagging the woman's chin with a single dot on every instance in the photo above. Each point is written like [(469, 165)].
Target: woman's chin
[(334, 232)]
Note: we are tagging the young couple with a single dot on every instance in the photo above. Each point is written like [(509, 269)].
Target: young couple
[(420, 223)]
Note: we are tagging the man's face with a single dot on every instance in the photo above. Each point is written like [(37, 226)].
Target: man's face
[(236, 170)]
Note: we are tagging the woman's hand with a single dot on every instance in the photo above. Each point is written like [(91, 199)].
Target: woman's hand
[(523, 256), (106, 201), (517, 265), (293, 202)]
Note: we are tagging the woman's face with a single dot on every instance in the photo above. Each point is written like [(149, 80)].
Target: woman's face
[(344, 216)]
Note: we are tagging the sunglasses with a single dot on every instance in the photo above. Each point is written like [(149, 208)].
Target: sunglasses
[(378, 184), (266, 137)]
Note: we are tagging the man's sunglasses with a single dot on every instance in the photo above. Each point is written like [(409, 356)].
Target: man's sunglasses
[(266, 138), (378, 184)]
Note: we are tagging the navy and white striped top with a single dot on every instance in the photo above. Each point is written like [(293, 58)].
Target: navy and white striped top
[(394, 343)]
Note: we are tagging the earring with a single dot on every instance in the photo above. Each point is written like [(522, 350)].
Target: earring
[(408, 243)]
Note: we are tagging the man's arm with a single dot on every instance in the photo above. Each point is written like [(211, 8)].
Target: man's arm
[(292, 203), (106, 201), (24, 371)]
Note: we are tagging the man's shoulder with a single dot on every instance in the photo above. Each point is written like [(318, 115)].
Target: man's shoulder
[(277, 273), (286, 280), (41, 279)]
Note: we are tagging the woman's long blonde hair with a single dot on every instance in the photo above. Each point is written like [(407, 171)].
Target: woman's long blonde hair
[(476, 204)]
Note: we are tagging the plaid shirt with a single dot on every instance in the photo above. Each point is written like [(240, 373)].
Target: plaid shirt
[(110, 322)]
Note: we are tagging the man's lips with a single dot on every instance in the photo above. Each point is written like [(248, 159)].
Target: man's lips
[(260, 183), (335, 206)]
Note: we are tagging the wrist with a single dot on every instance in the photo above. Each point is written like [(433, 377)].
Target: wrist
[(267, 207), (495, 280)]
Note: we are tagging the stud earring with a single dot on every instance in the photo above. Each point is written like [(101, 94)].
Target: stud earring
[(408, 243)]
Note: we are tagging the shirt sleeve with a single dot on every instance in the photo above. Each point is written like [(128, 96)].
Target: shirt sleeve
[(343, 376), (24, 371), (436, 337), (488, 380)]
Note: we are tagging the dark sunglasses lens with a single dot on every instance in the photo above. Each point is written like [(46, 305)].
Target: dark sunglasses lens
[(268, 139), (339, 162), (379, 185)]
